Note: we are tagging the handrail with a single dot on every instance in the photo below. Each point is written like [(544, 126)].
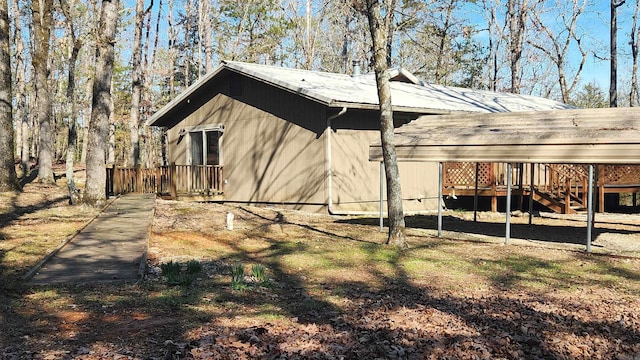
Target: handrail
[(174, 180), (565, 182)]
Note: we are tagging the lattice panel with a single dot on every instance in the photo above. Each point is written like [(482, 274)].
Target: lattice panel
[(573, 171), (464, 174), (622, 174)]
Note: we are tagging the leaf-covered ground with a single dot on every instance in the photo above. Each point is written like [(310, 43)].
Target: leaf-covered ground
[(335, 291)]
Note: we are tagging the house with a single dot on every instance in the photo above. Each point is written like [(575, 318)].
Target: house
[(300, 139)]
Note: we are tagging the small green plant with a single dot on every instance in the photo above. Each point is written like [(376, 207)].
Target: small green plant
[(194, 267), (259, 274), (237, 277), (258, 278), (172, 272), (170, 269)]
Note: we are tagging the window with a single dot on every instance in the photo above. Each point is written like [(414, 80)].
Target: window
[(196, 148), (205, 147), (213, 147)]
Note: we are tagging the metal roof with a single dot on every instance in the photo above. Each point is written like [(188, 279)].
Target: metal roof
[(596, 136), (360, 92)]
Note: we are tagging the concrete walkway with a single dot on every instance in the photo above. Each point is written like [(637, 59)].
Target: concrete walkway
[(111, 248)]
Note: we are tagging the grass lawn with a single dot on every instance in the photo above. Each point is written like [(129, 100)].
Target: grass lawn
[(331, 290)]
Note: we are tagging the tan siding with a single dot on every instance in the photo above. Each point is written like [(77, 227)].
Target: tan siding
[(273, 151), (266, 158), (356, 180)]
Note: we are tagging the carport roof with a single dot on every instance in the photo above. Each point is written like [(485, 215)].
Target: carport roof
[(595, 136)]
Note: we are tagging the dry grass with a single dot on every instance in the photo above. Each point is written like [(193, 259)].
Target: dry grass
[(335, 290)]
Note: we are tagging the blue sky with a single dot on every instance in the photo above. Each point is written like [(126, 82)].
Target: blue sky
[(595, 23)]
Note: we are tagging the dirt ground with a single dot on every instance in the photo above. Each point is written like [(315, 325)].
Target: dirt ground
[(336, 291), (616, 234)]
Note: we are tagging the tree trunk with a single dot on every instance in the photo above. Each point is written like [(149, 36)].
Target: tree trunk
[(136, 86), (517, 13), (172, 51), (95, 190), (208, 34), (42, 19), (8, 178), (87, 121), (379, 36), (439, 71), (72, 137), (22, 119), (613, 38), (635, 33), (187, 59), (493, 54)]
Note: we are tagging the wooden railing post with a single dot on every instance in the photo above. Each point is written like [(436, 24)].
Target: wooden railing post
[(158, 179), (172, 181), (109, 182), (116, 181), (221, 180), (601, 180), (137, 186), (494, 180), (567, 195)]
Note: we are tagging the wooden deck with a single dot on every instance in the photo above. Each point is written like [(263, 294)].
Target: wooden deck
[(110, 248), (193, 182), (560, 187)]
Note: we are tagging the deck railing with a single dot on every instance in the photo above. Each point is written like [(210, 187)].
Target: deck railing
[(173, 180), (566, 183)]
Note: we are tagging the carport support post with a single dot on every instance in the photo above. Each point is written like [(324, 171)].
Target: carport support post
[(381, 195), (531, 190), (590, 208), (475, 196), (440, 199), (508, 209)]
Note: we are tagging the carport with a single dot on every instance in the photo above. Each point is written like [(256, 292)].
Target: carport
[(576, 136)]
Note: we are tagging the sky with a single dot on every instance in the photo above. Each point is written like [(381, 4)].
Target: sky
[(595, 25)]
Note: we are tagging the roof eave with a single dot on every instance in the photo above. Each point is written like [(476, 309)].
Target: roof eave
[(408, 109), (183, 96)]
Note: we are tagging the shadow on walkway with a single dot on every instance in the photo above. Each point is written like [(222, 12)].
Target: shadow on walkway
[(110, 248)]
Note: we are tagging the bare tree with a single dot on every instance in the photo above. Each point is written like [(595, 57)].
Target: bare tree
[(613, 78), (21, 115), (379, 28), (494, 43), (76, 45), (187, 34), (633, 42), (171, 48), (95, 193), (42, 18), (444, 35), (517, 16), (555, 44), (136, 85), (8, 178), (208, 34)]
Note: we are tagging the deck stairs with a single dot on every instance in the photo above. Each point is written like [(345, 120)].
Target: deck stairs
[(558, 204), (564, 190)]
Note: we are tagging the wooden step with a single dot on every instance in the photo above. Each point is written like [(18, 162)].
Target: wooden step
[(552, 202)]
